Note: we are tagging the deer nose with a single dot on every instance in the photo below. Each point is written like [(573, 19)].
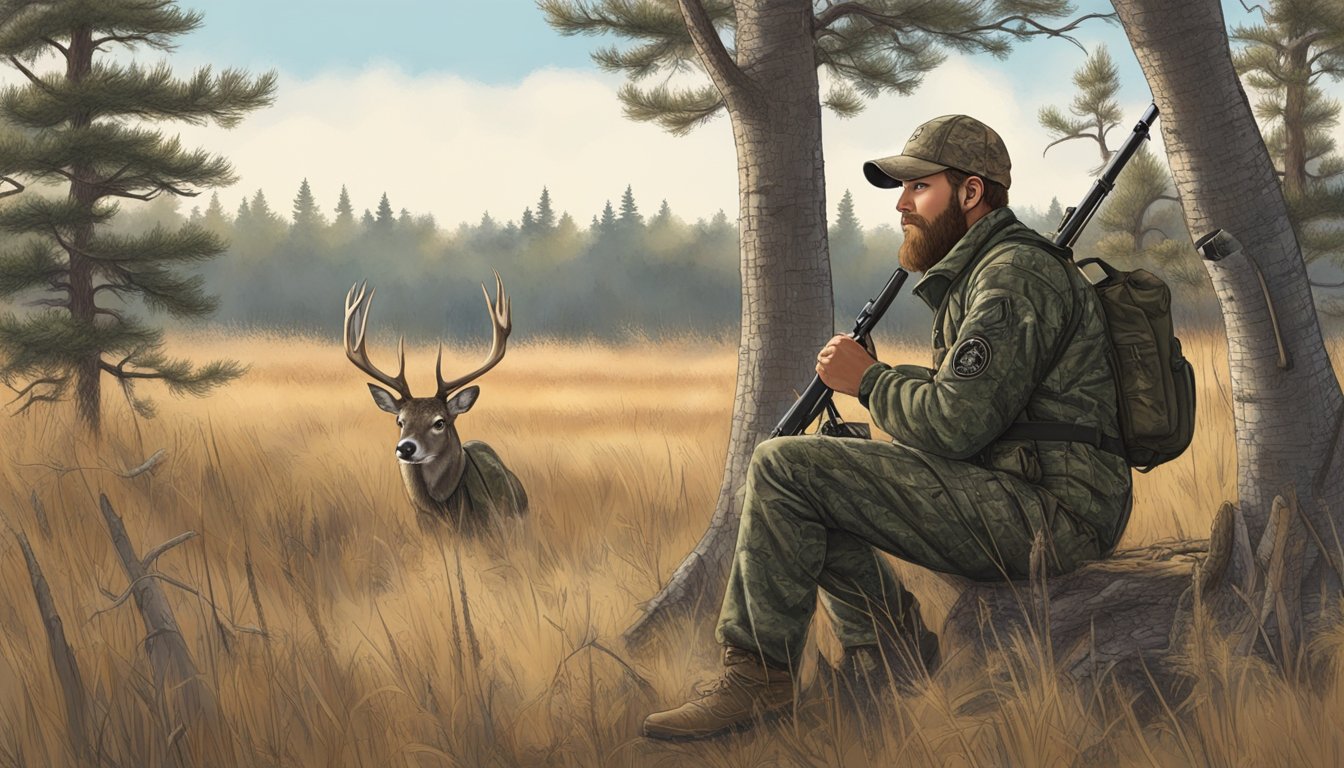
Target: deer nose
[(406, 449)]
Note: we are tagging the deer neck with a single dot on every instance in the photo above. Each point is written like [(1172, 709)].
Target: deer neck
[(432, 483)]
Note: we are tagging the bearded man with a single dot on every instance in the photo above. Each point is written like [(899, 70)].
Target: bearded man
[(1011, 434)]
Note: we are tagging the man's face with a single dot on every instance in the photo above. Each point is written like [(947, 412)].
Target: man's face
[(931, 221)]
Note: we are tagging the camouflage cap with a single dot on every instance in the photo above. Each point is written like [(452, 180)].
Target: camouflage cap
[(950, 141)]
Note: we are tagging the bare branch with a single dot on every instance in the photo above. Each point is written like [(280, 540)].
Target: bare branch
[(29, 74), (1254, 8), (150, 464), (64, 51), (56, 382), (154, 553), (17, 187), (121, 39), (720, 65), (58, 303), (1066, 138)]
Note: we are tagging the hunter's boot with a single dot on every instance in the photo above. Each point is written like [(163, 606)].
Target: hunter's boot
[(748, 690)]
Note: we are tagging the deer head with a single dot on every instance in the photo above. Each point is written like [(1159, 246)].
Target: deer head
[(429, 448)]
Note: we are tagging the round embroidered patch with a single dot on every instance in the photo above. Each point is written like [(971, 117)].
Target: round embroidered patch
[(971, 357)]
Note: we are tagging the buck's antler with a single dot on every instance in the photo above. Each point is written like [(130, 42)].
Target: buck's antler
[(500, 320), (356, 322)]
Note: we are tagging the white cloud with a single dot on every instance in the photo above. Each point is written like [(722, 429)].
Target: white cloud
[(454, 148)]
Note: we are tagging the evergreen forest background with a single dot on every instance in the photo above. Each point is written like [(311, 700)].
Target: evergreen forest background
[(610, 275)]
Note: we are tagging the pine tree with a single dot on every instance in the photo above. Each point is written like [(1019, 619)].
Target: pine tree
[(243, 218), (545, 214), (629, 211), (77, 124), (367, 220), (663, 216), (385, 217), (345, 213), (1300, 43), (1094, 107), (608, 218), (1054, 215), (847, 235), (307, 216), (529, 225)]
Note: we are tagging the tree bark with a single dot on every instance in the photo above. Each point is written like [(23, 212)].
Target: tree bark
[(88, 372), (773, 101), (1288, 409), (62, 656)]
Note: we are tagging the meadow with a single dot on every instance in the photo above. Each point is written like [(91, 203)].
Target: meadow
[(329, 630)]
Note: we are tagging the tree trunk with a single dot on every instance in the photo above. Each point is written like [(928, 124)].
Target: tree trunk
[(1287, 401), (1261, 576), (773, 101), (1294, 130), (62, 655), (88, 371), (175, 675)]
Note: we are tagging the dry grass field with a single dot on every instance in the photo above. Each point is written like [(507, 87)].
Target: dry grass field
[(330, 631)]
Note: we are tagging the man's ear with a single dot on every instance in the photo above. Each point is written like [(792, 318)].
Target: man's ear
[(972, 192)]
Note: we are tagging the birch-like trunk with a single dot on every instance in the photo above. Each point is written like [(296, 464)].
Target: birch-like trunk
[(1288, 408), (772, 96)]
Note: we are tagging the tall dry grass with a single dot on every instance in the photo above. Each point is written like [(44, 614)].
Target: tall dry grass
[(385, 646)]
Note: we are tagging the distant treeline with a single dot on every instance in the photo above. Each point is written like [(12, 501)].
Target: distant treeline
[(620, 272)]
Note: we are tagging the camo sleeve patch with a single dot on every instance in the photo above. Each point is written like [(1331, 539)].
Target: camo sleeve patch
[(971, 357)]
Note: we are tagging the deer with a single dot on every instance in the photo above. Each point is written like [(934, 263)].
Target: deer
[(464, 485)]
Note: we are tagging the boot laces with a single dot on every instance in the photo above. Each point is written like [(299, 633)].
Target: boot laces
[(706, 689)]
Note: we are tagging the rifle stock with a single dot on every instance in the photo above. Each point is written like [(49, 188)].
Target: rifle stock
[(817, 396)]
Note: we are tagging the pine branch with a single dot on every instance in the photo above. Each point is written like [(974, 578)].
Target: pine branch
[(7, 192), (676, 111), (843, 101)]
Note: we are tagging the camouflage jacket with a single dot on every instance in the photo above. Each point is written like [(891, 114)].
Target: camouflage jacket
[(994, 335)]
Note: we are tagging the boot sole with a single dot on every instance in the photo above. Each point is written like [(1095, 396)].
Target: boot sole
[(764, 718)]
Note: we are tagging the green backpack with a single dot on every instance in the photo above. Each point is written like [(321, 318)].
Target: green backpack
[(1154, 382)]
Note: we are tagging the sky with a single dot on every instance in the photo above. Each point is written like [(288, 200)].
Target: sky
[(456, 108)]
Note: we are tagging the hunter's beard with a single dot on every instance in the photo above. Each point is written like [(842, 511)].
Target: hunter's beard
[(926, 244)]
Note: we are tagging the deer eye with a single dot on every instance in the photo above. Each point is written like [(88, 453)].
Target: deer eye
[(439, 424), (399, 421)]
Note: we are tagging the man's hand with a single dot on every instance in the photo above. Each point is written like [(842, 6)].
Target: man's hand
[(841, 364)]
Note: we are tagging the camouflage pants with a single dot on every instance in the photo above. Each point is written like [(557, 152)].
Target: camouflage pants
[(817, 508)]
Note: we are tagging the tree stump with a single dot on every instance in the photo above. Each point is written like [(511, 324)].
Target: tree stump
[(1130, 619)]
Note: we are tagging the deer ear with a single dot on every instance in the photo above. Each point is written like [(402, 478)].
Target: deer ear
[(384, 399), (461, 402)]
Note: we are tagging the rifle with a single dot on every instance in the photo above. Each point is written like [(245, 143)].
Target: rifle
[(818, 397)]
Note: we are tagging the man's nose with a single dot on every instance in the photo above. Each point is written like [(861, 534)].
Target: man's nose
[(903, 203)]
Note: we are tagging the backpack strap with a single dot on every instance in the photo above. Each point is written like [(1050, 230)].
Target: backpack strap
[(1051, 430)]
